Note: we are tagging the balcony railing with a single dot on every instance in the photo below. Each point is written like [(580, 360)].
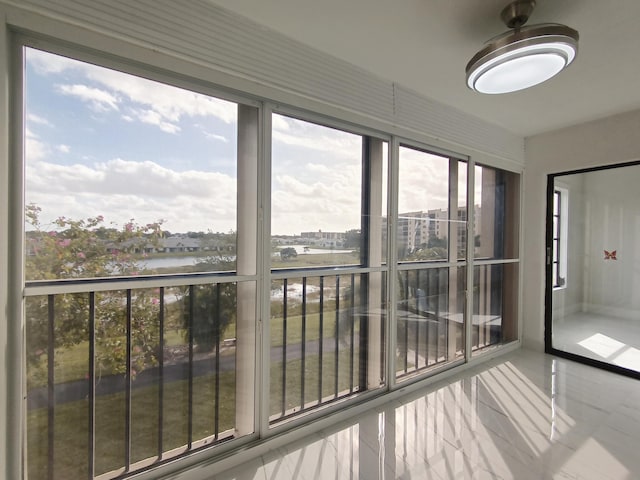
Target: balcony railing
[(321, 334), (430, 313), (132, 377), (136, 372)]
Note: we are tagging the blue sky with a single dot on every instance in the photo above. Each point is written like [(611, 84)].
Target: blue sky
[(102, 142)]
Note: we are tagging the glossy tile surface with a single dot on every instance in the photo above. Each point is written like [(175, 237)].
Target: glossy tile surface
[(604, 338), (522, 416)]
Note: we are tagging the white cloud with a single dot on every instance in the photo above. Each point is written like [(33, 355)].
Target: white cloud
[(154, 118), (334, 144), (45, 63), (34, 148), (33, 118), (317, 176), (220, 138), (100, 100), (63, 148), (423, 181), (168, 103), (122, 189)]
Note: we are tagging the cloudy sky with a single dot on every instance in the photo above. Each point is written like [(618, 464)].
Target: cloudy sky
[(101, 142)]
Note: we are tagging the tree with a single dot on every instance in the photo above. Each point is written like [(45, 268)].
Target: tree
[(213, 310), (352, 238), (436, 242), (72, 249), (288, 253)]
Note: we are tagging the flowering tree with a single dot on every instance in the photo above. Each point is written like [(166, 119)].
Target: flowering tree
[(72, 249)]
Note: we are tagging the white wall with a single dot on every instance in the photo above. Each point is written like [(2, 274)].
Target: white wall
[(607, 141), (612, 222)]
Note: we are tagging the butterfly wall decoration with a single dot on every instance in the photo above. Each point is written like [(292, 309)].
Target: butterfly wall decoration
[(610, 255)]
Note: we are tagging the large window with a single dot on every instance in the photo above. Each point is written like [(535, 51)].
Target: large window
[(328, 317), (495, 276), (132, 178), (165, 228), (431, 245)]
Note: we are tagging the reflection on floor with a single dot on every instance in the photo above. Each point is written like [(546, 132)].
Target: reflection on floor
[(609, 339), (522, 416)]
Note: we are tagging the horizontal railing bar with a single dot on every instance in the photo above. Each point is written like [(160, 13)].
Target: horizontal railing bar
[(495, 261), (445, 264), (323, 271), (429, 265), (86, 285)]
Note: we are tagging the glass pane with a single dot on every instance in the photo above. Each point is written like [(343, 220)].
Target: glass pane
[(430, 318), (163, 379), (495, 305), (316, 198), (57, 366), (497, 208), (461, 224), (327, 340), (423, 206), (125, 175)]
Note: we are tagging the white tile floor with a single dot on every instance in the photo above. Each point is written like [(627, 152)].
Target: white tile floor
[(604, 338), (522, 416)]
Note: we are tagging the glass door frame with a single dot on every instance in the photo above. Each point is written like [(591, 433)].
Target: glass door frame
[(548, 301)]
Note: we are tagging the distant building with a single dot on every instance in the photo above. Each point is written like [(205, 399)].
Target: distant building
[(324, 239), (413, 230)]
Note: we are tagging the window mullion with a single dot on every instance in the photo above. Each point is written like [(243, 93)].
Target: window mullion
[(392, 260), (468, 314), (264, 273)]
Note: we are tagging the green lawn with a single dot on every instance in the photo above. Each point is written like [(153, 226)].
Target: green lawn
[(71, 419), (71, 422)]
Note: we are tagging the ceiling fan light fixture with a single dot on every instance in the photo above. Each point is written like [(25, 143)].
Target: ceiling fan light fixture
[(523, 57)]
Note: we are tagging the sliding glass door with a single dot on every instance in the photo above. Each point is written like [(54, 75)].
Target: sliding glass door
[(593, 267)]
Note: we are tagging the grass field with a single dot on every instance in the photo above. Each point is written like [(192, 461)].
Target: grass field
[(71, 442), (70, 433)]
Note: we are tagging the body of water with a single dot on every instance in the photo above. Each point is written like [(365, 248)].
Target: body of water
[(300, 250), (169, 262), (173, 262)]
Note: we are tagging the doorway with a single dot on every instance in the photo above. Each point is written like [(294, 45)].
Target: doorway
[(593, 267)]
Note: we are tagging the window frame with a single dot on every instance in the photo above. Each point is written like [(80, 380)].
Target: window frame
[(264, 106), (30, 288), (559, 243)]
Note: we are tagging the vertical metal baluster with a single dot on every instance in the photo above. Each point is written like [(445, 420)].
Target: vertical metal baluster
[(429, 295), (161, 375), (217, 382), (447, 319), (51, 400), (284, 346), (476, 304), (92, 385), (303, 340), (383, 333), (406, 323), (363, 332), (303, 346), (438, 271), (320, 345), (337, 333), (450, 309), (419, 317), (127, 424), (192, 312), (352, 310)]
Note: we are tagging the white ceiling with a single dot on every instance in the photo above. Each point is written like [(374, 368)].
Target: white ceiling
[(425, 45)]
